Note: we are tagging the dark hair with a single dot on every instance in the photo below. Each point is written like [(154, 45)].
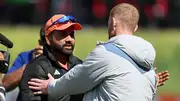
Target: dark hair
[(42, 36)]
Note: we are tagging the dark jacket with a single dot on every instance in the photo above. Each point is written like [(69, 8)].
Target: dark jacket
[(39, 68)]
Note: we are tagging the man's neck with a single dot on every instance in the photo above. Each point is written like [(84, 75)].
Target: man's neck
[(62, 60), (124, 32), (120, 31)]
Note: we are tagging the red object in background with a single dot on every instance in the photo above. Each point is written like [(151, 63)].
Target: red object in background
[(163, 3), (168, 97), (42, 6), (125, 1), (65, 7), (133, 2), (99, 9), (148, 12)]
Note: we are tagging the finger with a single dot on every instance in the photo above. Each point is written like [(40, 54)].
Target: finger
[(1, 56), (36, 80), (155, 68), (39, 47), (38, 52), (50, 76), (160, 81), (165, 79), (163, 72), (159, 74), (34, 84), (159, 85), (35, 88), (165, 75), (166, 72), (38, 93)]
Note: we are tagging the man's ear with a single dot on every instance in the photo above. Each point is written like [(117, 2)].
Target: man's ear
[(48, 39), (114, 22), (136, 28)]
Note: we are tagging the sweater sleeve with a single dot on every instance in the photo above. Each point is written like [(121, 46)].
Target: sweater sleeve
[(83, 77)]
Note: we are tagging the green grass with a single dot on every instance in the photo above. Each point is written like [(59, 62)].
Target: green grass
[(166, 43)]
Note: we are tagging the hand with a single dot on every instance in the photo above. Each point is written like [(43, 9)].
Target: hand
[(1, 56), (41, 86), (12, 80), (38, 51), (162, 77)]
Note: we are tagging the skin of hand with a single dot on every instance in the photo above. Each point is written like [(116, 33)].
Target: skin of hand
[(162, 77), (41, 86), (11, 80), (38, 51)]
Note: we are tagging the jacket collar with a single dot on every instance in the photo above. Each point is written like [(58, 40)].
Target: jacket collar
[(50, 56)]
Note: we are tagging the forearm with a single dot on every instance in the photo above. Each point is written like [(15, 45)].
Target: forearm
[(68, 84), (12, 80), (78, 80)]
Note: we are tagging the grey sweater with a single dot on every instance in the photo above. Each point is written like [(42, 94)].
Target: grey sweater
[(105, 76)]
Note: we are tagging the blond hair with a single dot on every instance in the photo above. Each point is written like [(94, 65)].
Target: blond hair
[(127, 14)]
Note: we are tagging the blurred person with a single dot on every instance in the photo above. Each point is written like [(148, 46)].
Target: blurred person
[(12, 79), (57, 58), (4, 62), (2, 89), (119, 70)]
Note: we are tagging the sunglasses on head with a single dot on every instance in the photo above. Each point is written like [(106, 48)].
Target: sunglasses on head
[(64, 20)]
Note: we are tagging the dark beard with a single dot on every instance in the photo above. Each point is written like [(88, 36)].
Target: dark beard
[(62, 49)]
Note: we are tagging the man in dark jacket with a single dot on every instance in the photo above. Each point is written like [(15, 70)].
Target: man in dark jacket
[(57, 57)]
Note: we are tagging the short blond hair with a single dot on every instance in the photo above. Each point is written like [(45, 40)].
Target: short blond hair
[(127, 14)]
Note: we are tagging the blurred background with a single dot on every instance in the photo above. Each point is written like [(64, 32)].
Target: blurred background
[(20, 21)]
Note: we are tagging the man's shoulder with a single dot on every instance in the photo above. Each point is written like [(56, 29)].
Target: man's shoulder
[(99, 49), (38, 65), (39, 60), (76, 59), (99, 53)]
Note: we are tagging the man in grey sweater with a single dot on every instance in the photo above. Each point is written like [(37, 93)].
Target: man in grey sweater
[(119, 70)]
